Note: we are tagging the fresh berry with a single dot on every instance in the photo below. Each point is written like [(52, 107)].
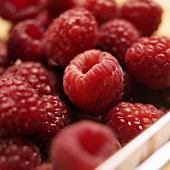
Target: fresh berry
[(148, 60), (83, 145), (103, 10), (20, 111), (41, 78), (17, 10), (146, 15), (18, 153), (44, 166), (116, 36), (25, 41), (94, 81), (130, 119), (69, 34)]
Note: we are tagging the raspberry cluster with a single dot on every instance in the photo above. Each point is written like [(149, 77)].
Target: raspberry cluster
[(79, 80)]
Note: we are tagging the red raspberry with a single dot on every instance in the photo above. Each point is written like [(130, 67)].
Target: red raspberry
[(71, 33), (17, 153), (116, 36), (17, 10), (144, 14), (42, 79), (20, 111), (148, 61), (25, 41), (86, 144), (103, 10), (44, 166), (94, 81), (130, 119)]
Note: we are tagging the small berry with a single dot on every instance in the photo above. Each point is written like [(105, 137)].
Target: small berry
[(116, 36), (148, 60), (42, 79), (69, 34), (25, 41), (17, 153), (17, 10), (86, 145), (20, 111), (144, 14), (94, 81), (130, 119)]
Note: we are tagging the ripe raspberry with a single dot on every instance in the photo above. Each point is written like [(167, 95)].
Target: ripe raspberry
[(144, 14), (93, 81), (20, 111), (130, 119), (86, 144), (17, 10), (42, 79), (69, 34), (44, 166), (17, 153), (148, 61), (116, 36), (25, 41)]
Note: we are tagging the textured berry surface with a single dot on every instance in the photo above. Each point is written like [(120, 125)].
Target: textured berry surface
[(130, 119), (103, 10), (69, 34), (42, 79), (19, 108), (25, 41), (144, 14), (17, 153), (17, 10), (93, 81), (116, 36), (148, 61), (86, 144)]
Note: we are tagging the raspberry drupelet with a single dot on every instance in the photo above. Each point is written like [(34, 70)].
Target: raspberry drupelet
[(146, 15), (18, 10), (116, 36), (25, 41), (94, 81), (148, 60), (129, 119), (83, 145), (74, 31), (18, 153)]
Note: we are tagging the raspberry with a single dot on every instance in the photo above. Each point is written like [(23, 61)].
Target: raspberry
[(86, 144), (116, 36), (69, 34), (148, 60), (144, 14), (42, 79), (17, 153), (17, 10), (93, 81), (44, 166), (25, 41), (19, 108), (130, 119)]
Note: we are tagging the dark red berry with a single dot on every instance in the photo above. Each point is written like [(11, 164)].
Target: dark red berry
[(69, 34), (17, 10), (17, 153), (25, 41), (41, 78), (130, 119), (20, 111), (116, 36), (146, 15), (148, 60), (83, 145), (94, 81), (4, 60)]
